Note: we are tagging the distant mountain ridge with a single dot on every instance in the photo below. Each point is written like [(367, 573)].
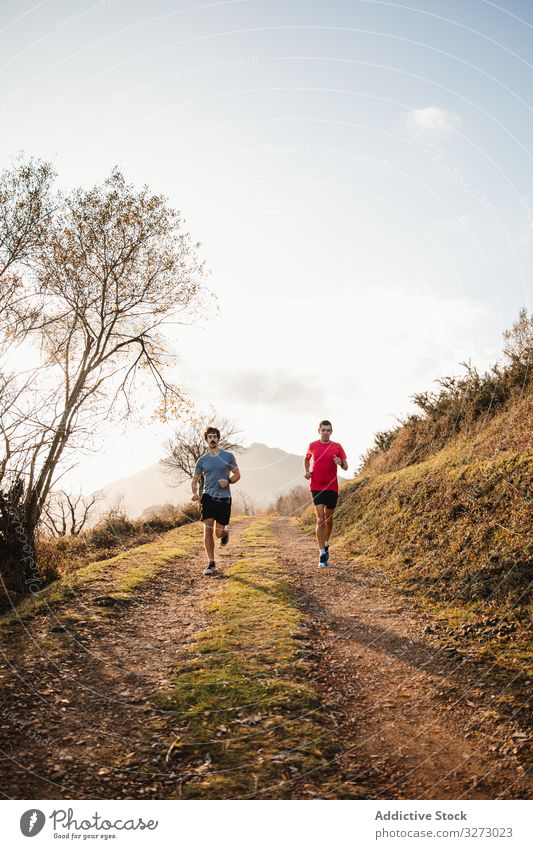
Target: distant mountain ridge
[(266, 473)]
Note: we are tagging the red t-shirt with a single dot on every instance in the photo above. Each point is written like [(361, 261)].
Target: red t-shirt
[(324, 468)]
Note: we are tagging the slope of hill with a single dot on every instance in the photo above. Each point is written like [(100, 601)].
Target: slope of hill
[(266, 474), (441, 513), (454, 528)]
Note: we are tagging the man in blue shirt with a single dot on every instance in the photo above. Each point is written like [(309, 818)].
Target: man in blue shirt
[(219, 469)]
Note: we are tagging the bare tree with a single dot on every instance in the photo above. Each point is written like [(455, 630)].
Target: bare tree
[(66, 513), (25, 212), (245, 504), (188, 444), (26, 208), (111, 270)]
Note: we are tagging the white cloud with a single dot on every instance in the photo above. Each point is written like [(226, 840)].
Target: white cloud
[(431, 121)]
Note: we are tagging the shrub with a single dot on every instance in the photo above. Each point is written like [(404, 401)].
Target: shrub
[(189, 512), (293, 502), (111, 529)]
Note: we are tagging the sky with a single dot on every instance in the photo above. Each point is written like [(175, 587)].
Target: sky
[(359, 175)]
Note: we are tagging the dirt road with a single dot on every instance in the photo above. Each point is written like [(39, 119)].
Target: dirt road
[(407, 718), (418, 719)]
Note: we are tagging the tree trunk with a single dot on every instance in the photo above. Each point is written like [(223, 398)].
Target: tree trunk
[(18, 564)]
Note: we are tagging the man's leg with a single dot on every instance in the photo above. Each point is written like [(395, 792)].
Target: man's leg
[(320, 526), (328, 524), (223, 517), (220, 531), (209, 540)]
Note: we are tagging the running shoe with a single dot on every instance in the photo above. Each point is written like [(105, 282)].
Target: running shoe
[(323, 560), (327, 555), (210, 569), (225, 539)]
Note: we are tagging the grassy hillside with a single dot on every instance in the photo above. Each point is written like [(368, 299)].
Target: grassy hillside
[(454, 527)]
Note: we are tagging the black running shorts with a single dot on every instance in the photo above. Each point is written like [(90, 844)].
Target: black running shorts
[(328, 497), (218, 509)]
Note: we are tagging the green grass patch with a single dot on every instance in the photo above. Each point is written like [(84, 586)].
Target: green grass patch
[(117, 577), (248, 717)]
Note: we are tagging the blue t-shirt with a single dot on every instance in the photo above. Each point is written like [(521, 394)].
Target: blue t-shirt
[(214, 469)]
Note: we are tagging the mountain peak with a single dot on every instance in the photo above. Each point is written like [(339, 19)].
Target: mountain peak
[(267, 472)]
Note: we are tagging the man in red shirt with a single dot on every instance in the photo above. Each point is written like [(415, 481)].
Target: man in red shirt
[(326, 456)]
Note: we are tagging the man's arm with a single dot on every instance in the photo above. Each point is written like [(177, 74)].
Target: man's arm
[(234, 475), (341, 459), (307, 460), (194, 487), (344, 459)]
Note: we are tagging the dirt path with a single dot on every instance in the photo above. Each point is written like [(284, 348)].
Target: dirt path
[(416, 721), (76, 704), (77, 715)]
